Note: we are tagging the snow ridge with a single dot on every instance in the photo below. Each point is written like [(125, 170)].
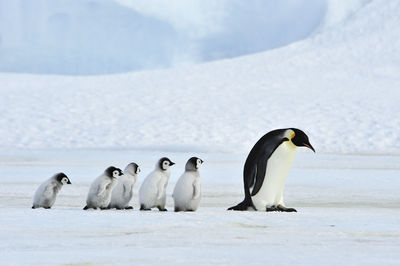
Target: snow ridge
[(340, 87)]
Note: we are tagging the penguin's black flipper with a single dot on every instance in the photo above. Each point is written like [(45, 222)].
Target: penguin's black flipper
[(260, 174)]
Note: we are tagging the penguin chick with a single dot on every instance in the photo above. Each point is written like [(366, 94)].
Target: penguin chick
[(46, 194), (152, 193), (122, 193), (99, 195), (187, 191)]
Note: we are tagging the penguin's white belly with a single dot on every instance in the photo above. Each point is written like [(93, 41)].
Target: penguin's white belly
[(187, 193), (46, 194), (102, 199), (152, 192), (121, 195), (278, 167)]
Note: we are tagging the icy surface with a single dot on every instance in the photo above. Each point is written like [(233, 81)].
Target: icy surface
[(340, 86), (348, 214)]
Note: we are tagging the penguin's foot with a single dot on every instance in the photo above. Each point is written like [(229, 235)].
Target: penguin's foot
[(129, 208), (162, 209), (87, 208), (33, 207), (143, 208), (243, 206), (104, 208), (180, 210), (272, 209), (284, 209), (47, 207)]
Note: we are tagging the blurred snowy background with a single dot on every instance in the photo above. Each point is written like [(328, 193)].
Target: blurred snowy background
[(328, 67), (103, 36)]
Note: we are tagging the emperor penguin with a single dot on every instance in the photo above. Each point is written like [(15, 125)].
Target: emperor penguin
[(267, 167), (152, 192), (187, 191), (99, 195), (122, 193), (46, 194)]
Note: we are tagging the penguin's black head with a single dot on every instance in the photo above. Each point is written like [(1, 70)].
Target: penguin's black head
[(113, 172), (62, 178), (193, 164), (132, 169), (164, 163), (300, 139)]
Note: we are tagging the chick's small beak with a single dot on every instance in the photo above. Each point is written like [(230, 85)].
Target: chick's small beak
[(172, 163)]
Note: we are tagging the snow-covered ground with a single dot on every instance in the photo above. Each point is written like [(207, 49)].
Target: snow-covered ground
[(348, 214), (340, 85)]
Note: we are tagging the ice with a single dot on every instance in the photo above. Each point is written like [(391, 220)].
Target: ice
[(339, 85), (102, 37), (348, 213)]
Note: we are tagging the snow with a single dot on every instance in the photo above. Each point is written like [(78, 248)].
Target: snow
[(340, 219), (340, 85), (106, 36)]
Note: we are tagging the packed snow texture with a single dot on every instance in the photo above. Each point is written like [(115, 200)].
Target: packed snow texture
[(341, 220)]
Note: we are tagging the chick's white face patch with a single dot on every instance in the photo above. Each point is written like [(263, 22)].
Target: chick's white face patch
[(64, 180), (116, 173), (165, 165), (198, 163)]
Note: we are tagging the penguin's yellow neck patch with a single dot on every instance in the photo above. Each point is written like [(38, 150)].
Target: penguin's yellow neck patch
[(292, 136)]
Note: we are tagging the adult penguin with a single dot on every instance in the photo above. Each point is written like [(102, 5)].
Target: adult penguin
[(267, 167)]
